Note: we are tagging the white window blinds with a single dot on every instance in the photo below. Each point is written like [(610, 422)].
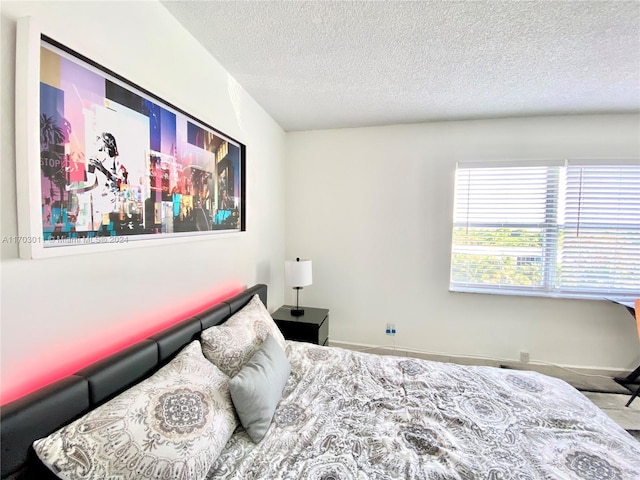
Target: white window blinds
[(558, 229)]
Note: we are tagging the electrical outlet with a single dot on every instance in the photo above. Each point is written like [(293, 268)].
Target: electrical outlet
[(391, 329), (524, 357)]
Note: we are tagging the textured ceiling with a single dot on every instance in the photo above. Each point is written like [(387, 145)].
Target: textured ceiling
[(332, 64)]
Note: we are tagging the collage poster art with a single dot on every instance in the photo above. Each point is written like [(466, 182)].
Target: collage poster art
[(118, 162)]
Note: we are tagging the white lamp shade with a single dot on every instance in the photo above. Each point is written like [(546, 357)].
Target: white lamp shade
[(297, 273)]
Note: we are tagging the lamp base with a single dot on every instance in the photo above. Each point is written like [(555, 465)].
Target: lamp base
[(297, 312)]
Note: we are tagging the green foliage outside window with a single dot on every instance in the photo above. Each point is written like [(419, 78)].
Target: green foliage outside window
[(495, 271), (503, 268), (498, 237)]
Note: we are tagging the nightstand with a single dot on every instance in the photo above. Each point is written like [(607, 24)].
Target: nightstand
[(312, 327)]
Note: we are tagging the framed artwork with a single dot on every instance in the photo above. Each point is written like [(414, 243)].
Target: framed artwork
[(106, 164)]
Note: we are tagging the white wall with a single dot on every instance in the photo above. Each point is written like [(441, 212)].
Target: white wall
[(55, 312), (373, 208)]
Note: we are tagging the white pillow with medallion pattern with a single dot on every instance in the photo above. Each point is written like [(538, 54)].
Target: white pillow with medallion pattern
[(230, 345), (172, 425)]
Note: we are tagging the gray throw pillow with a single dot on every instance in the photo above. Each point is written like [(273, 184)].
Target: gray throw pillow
[(257, 388)]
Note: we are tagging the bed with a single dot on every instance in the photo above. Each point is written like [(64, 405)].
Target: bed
[(352, 415)]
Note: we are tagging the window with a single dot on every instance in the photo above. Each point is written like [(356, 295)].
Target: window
[(565, 229)]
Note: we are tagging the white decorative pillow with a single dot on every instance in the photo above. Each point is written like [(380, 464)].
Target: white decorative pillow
[(172, 425), (230, 345)]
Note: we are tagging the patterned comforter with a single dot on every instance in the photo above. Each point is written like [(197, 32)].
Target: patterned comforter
[(350, 415)]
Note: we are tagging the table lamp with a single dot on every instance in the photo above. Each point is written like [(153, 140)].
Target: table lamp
[(297, 274)]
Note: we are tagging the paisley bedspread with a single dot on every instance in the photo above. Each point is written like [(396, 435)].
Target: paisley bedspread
[(349, 415)]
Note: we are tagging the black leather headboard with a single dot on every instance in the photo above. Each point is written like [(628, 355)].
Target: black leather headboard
[(46, 410)]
